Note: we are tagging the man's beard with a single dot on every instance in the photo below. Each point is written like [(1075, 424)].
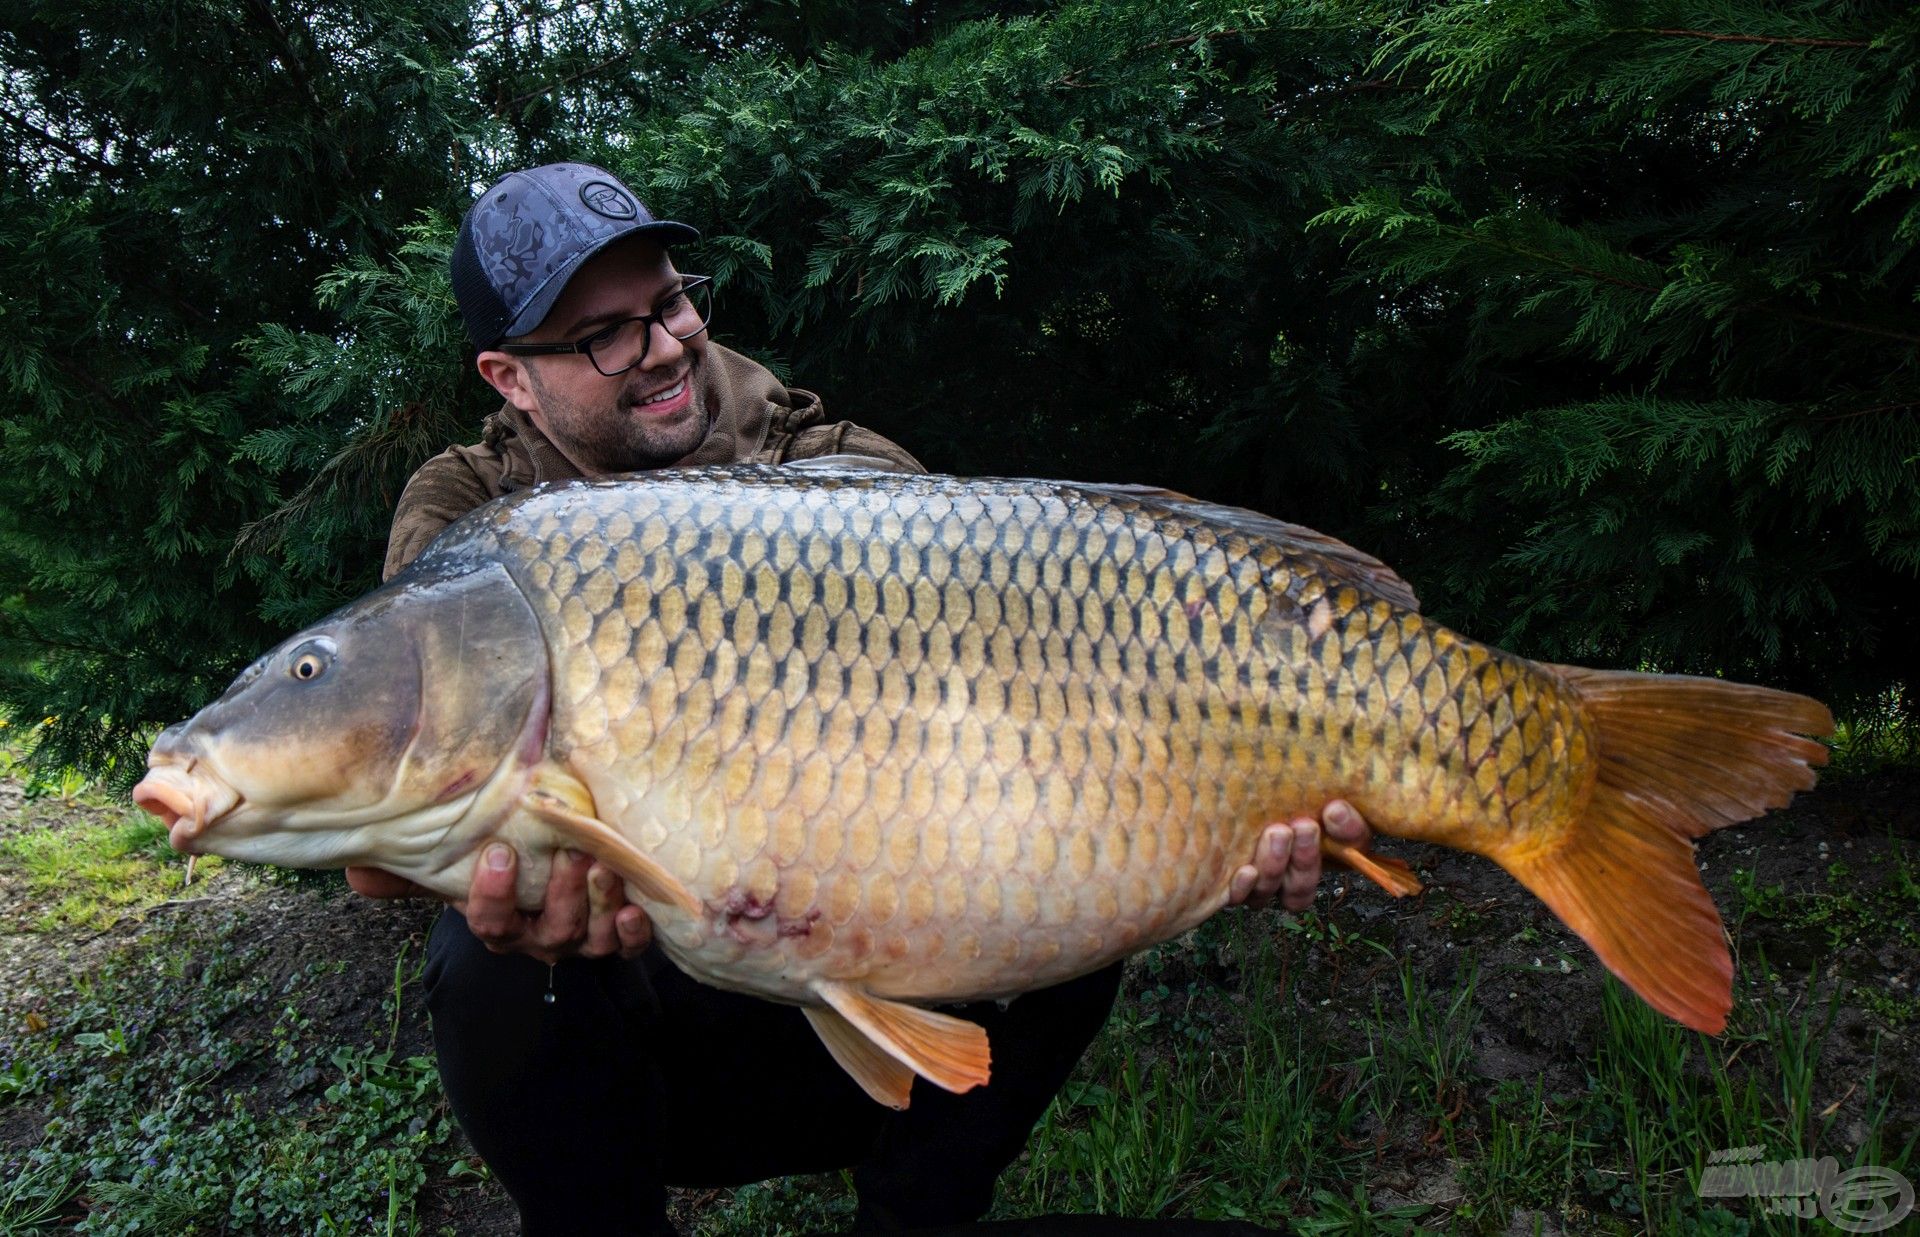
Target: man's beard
[(608, 438)]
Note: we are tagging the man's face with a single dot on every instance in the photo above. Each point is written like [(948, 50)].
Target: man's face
[(649, 416)]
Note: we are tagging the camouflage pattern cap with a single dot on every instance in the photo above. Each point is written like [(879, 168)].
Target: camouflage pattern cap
[(525, 237)]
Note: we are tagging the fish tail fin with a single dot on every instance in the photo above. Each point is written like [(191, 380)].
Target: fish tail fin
[(1678, 758)]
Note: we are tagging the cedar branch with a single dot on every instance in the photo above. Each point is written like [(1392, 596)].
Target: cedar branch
[(283, 49), (1771, 40), (63, 146), (1617, 281), (568, 80)]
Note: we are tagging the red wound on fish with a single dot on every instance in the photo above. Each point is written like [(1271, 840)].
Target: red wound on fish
[(456, 786)]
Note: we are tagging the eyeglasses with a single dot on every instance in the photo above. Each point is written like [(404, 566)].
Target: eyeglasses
[(618, 348)]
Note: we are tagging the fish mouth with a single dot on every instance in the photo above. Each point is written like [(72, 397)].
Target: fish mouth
[(187, 801)]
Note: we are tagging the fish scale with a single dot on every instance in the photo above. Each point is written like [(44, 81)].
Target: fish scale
[(1003, 739), (868, 742)]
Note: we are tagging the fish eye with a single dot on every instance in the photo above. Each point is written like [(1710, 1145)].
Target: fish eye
[(311, 660)]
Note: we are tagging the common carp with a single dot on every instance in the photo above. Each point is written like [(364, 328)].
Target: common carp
[(866, 742)]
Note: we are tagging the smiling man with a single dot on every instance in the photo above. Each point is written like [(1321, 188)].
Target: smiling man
[(583, 1066)]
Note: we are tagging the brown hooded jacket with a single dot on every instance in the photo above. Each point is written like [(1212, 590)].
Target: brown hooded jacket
[(754, 420)]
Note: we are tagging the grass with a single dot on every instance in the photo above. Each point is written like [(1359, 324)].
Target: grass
[(1294, 1071), (89, 875), (1213, 1100), (1298, 1119), (172, 1109)]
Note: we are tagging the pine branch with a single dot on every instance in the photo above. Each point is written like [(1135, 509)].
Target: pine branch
[(283, 50), (1072, 79), (1897, 406), (503, 108), (1617, 281), (1771, 40), (65, 147), (1838, 325)]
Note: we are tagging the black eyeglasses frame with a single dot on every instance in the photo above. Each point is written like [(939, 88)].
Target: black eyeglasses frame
[(585, 346)]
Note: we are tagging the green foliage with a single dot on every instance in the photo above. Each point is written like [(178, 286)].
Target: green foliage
[(1597, 321), (90, 875), (1683, 301), (154, 1122)]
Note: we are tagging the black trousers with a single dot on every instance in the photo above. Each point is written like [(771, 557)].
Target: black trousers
[(634, 1077)]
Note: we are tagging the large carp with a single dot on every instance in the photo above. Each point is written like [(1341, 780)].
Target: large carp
[(863, 742)]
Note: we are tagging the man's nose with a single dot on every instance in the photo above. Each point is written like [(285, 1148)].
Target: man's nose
[(663, 350)]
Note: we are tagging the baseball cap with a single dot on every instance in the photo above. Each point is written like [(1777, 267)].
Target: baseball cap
[(526, 236)]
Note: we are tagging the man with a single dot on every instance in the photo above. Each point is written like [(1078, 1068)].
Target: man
[(586, 1069)]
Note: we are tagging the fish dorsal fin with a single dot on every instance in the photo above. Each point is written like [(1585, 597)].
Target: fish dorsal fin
[(552, 802), (837, 465), (948, 1052), (878, 1074), (1363, 571)]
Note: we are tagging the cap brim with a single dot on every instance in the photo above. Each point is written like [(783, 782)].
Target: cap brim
[(665, 231)]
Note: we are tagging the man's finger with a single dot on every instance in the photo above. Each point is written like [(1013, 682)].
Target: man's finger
[(562, 923), (1271, 859), (491, 912), (380, 883), (635, 930), (1303, 872), (1344, 823), (605, 896)]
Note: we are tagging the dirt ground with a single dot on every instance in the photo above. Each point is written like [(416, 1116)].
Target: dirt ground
[(1538, 1018)]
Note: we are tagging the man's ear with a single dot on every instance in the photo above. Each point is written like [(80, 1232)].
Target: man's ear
[(508, 375)]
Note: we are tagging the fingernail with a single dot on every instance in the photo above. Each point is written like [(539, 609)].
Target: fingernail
[(1242, 885), (1339, 814), (1279, 844), (1306, 838), (499, 857), (603, 880)]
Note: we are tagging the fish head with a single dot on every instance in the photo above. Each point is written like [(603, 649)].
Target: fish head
[(395, 731)]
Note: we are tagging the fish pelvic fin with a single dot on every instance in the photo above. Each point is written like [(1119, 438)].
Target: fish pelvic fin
[(589, 833), (879, 1075), (951, 1053), (1393, 875), (1678, 757)]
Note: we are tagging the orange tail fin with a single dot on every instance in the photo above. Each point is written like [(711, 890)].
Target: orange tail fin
[(1679, 757)]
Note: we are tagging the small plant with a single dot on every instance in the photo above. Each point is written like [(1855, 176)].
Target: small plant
[(89, 875)]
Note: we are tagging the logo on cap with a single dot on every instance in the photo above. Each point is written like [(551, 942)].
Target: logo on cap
[(604, 198)]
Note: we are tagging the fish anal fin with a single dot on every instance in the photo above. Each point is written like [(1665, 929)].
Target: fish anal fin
[(1677, 757), (951, 1053), (888, 1081), (609, 846), (1393, 875)]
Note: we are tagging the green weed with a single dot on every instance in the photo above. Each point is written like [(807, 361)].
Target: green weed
[(150, 1080), (90, 875), (784, 1207), (1847, 912), (32, 1197)]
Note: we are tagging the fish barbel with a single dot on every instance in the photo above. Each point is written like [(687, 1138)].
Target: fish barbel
[(865, 742)]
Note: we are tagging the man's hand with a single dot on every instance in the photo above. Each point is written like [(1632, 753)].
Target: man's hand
[(585, 914), (1286, 860)]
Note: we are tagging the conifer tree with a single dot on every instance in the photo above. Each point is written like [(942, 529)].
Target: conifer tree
[(1682, 285), (1596, 321)]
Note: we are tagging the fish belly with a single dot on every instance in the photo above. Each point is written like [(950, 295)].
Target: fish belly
[(952, 740)]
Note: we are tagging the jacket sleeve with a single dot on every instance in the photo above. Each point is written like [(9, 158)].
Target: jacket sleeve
[(846, 438), (443, 490)]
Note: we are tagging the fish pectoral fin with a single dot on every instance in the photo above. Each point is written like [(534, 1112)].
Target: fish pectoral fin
[(951, 1053), (879, 1075), (1393, 875), (605, 843)]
